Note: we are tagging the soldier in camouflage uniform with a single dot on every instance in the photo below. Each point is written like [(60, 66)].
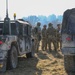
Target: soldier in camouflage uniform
[(51, 34), (58, 34), (44, 38), (37, 35)]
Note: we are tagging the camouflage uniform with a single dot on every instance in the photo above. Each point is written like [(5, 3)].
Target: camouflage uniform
[(58, 35), (51, 34), (44, 38), (37, 36)]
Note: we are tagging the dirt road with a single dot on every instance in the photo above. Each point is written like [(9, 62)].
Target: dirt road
[(44, 63)]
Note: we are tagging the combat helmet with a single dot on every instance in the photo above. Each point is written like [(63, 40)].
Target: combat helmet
[(45, 26), (38, 23), (58, 24), (50, 25)]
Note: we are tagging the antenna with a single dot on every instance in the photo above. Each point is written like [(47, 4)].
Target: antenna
[(7, 24), (7, 8)]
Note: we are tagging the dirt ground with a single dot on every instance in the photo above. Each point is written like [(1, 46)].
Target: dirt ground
[(44, 63)]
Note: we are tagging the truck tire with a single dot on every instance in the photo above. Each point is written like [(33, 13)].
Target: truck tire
[(29, 55), (69, 63), (12, 58)]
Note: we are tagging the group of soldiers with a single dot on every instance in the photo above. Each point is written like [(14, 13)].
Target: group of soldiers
[(47, 36)]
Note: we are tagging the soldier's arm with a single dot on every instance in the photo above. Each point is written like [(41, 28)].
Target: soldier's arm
[(47, 32), (55, 30), (42, 31)]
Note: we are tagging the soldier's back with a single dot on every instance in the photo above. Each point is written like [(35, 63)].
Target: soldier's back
[(51, 31), (44, 32)]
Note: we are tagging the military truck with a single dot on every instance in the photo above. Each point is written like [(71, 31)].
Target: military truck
[(68, 40), (15, 40)]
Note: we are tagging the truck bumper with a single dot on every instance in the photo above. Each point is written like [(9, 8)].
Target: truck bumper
[(3, 65), (3, 60), (68, 50)]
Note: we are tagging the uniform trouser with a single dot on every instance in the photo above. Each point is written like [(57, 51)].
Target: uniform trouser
[(55, 45), (49, 44), (59, 42), (52, 40), (44, 43), (37, 42)]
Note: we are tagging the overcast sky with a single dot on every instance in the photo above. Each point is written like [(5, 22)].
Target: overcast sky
[(24, 8)]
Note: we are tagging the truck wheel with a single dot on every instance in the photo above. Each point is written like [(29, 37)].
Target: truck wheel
[(29, 55), (69, 63), (12, 58)]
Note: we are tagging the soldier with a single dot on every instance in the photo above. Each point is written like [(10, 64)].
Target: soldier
[(37, 35), (44, 38), (58, 35), (51, 34)]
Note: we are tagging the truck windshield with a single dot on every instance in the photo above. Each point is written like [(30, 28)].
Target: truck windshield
[(1, 28), (6, 26), (6, 29), (13, 29)]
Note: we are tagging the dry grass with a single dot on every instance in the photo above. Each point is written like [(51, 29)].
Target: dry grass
[(44, 63)]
